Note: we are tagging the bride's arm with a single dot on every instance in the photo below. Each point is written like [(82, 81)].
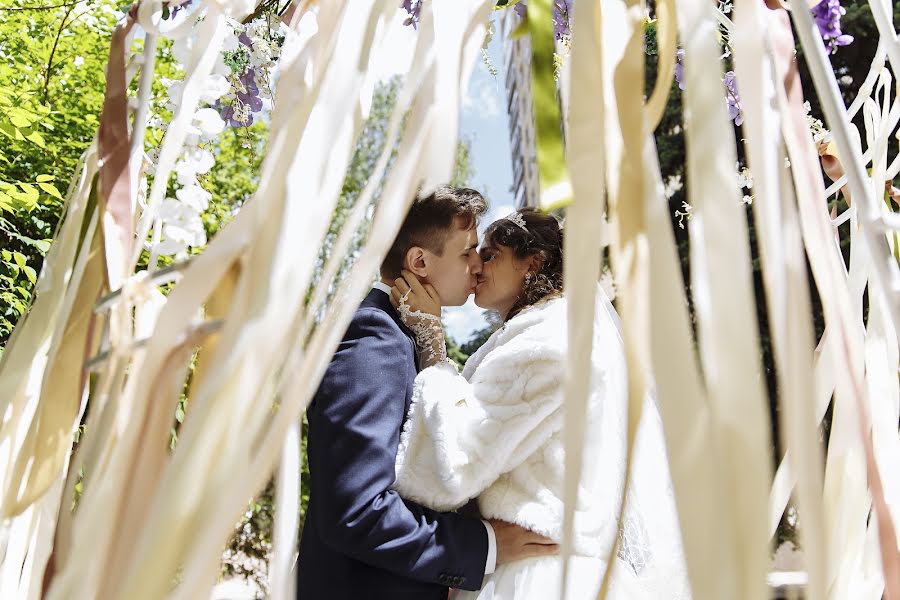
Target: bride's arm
[(460, 435)]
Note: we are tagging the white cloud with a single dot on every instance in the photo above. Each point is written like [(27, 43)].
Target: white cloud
[(496, 212), (483, 96)]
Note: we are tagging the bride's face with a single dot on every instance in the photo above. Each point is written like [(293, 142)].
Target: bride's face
[(502, 277)]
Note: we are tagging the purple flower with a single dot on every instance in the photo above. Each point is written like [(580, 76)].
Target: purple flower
[(679, 68), (245, 39), (562, 16), (734, 100), (562, 12), (249, 81), (228, 115), (828, 18), (180, 7), (414, 9), (251, 100)]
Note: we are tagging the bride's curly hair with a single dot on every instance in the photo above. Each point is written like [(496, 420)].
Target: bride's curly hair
[(544, 238)]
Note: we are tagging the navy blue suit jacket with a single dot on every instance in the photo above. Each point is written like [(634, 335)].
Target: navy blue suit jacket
[(360, 538)]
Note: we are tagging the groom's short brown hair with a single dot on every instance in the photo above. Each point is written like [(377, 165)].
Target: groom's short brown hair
[(429, 222)]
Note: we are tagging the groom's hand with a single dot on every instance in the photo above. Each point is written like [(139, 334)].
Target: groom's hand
[(515, 543)]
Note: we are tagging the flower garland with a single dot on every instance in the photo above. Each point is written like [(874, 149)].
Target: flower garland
[(237, 93)]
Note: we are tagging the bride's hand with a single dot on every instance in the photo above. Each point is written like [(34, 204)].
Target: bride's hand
[(418, 297), (420, 309)]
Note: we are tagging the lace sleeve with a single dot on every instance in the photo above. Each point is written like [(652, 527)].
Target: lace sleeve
[(429, 332)]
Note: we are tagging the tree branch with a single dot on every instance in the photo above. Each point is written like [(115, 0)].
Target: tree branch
[(66, 5), (62, 28)]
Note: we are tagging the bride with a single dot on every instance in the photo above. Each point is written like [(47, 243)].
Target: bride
[(495, 432)]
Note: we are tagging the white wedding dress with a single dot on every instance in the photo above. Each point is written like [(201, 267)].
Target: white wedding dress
[(495, 433)]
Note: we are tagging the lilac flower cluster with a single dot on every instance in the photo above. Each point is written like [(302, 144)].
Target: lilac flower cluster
[(180, 7), (735, 106), (827, 14), (414, 9), (249, 101), (250, 54), (679, 68), (562, 16)]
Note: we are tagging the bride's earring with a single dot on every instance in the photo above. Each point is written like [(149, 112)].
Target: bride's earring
[(529, 277)]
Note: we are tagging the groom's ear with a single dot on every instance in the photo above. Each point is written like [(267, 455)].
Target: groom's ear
[(414, 262)]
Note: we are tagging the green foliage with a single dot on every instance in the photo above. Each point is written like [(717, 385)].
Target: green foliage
[(51, 91)]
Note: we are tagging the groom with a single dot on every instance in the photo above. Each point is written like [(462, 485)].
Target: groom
[(360, 538)]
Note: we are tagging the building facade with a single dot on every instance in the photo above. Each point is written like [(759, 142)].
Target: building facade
[(519, 106)]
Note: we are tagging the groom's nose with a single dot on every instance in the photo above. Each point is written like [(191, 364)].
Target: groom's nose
[(475, 263)]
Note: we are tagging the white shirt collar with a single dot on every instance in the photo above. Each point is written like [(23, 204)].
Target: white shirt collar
[(379, 285)]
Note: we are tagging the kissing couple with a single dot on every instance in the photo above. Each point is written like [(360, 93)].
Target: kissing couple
[(425, 479)]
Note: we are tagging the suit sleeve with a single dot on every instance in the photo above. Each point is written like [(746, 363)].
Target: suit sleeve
[(359, 417)]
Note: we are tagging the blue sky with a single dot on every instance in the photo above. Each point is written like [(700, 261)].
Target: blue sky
[(484, 122)]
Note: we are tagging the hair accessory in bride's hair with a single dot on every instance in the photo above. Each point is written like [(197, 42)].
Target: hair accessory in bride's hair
[(518, 220)]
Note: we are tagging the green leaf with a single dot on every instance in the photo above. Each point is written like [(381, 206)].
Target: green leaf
[(30, 273), (8, 130), (50, 190), (44, 178), (179, 415), (41, 245), (20, 259), (7, 255), (20, 117), (37, 138), (29, 195)]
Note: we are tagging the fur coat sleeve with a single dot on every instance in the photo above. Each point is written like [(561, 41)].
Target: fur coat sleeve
[(462, 434)]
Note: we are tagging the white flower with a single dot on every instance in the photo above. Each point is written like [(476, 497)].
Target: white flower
[(182, 227), (188, 232), (194, 196), (79, 60), (208, 121), (169, 247), (194, 162), (216, 87), (171, 209), (231, 42), (687, 213), (745, 178)]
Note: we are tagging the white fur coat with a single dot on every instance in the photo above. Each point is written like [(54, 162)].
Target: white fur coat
[(495, 431)]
